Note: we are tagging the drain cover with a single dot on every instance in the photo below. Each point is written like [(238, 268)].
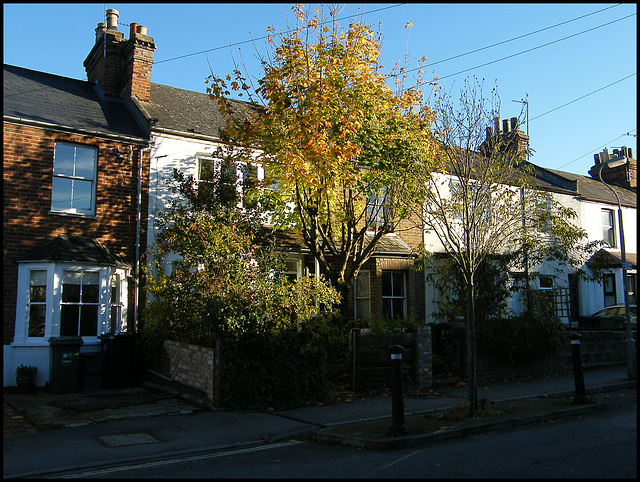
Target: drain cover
[(122, 440)]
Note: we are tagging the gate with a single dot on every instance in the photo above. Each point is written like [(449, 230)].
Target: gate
[(371, 364)]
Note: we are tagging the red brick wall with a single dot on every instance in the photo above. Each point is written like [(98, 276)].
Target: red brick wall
[(193, 366), (27, 222)]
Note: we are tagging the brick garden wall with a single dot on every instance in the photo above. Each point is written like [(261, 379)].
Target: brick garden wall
[(27, 220), (597, 349), (193, 366)]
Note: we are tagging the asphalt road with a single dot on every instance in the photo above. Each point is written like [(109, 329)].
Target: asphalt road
[(593, 446)]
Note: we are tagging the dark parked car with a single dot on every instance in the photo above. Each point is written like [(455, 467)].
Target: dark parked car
[(609, 318)]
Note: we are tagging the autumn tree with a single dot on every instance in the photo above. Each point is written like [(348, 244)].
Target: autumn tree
[(478, 199), (333, 136)]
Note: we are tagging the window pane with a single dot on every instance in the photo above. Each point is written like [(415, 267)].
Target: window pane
[(89, 321), (398, 284), (69, 320), (63, 160), (363, 308), (85, 162), (362, 285), (82, 194), (386, 308), (61, 193), (546, 282), (90, 287), (90, 293), (398, 308), (206, 170), (71, 286), (386, 284), (38, 286), (36, 320), (70, 293)]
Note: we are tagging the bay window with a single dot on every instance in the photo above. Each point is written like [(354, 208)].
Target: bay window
[(56, 299)]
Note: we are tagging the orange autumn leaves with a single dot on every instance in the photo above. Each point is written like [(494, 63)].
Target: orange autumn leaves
[(328, 112)]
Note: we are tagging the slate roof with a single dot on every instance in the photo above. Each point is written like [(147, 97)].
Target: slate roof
[(74, 249), (387, 246), (593, 190), (185, 111), (30, 95)]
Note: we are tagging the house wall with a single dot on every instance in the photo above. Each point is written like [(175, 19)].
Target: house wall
[(28, 221), (588, 217), (592, 294), (169, 153)]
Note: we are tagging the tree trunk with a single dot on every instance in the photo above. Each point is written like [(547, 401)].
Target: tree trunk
[(343, 289), (471, 348)]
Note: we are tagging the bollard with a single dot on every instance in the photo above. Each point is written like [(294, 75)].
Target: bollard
[(397, 403), (578, 376)]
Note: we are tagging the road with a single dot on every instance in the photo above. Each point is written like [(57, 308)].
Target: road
[(593, 446)]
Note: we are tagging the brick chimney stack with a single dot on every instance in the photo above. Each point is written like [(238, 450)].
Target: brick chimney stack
[(509, 139), (122, 68), (622, 176)]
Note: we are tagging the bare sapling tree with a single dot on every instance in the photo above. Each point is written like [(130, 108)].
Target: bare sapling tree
[(475, 200)]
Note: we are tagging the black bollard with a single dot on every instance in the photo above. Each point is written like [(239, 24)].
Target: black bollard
[(578, 376), (397, 403)]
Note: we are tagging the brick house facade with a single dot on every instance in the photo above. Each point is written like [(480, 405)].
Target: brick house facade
[(76, 171)]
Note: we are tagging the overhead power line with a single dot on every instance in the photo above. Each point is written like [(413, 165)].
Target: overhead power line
[(538, 47), (512, 39), (265, 36), (597, 149), (579, 98)]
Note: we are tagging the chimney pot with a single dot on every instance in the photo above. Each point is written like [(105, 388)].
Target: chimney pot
[(132, 30), (112, 19), (505, 126), (489, 133), (514, 124), (141, 29), (100, 30), (496, 124)]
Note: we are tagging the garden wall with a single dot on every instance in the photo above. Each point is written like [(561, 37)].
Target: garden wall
[(597, 349), (193, 366), (371, 365)]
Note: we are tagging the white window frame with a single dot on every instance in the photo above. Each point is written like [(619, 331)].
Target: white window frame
[(362, 298), (544, 286), (395, 297), (53, 301), (217, 172), (293, 268), (457, 204), (609, 228), (75, 177), (610, 295), (376, 210)]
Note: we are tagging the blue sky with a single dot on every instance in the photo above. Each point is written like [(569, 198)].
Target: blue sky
[(579, 77)]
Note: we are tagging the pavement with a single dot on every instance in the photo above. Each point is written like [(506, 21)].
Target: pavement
[(88, 429)]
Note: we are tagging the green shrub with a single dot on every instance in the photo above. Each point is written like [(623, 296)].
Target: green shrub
[(263, 371), (392, 325), (519, 339)]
